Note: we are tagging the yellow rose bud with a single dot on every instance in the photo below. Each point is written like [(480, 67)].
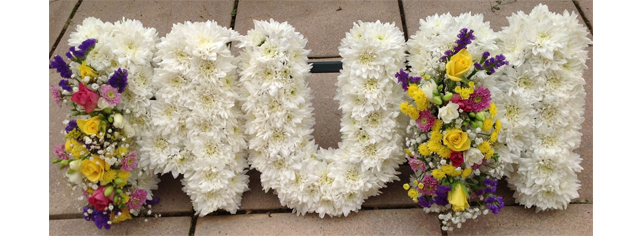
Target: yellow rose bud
[(458, 65), (93, 170), (458, 198), (456, 140), (90, 126)]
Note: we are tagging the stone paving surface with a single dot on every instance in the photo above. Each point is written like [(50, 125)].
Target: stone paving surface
[(324, 24)]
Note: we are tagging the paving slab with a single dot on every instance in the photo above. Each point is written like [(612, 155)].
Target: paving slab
[(586, 147), (58, 13), (323, 22), (256, 198), (587, 8), (172, 198), (367, 222), (420, 9), (328, 116), (577, 219), (135, 226)]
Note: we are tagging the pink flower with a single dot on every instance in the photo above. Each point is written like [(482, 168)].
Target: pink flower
[(430, 185), (480, 99), (111, 95), (59, 151), (425, 120), (98, 199), (86, 98), (137, 199), (129, 162), (476, 166), (416, 165), (56, 95)]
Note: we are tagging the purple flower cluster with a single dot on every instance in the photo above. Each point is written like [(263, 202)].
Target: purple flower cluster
[(440, 199), (100, 218), (491, 64), (119, 80), (494, 203), (61, 66), (65, 85), (464, 38), (71, 125), (153, 201), (404, 78), (490, 187), (83, 49)]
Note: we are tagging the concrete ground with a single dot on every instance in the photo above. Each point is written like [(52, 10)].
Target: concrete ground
[(324, 23)]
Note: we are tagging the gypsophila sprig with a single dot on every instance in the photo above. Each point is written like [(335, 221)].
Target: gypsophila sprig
[(452, 120), (278, 109), (542, 105), (196, 118), (99, 155)]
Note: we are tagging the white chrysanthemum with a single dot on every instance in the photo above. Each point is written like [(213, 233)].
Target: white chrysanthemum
[(548, 52), (196, 108), (273, 68)]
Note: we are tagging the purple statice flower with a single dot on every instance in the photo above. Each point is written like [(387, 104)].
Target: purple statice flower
[(416, 164), (71, 125), (442, 195), (494, 63), (65, 85), (59, 151), (425, 203), (87, 216), (430, 185), (56, 95), (119, 80), (77, 54), (425, 121), (494, 203), (153, 201), (402, 77), (61, 66), (129, 162), (87, 44), (490, 187), (101, 219), (414, 79), (480, 99), (464, 38), (111, 95), (137, 199)]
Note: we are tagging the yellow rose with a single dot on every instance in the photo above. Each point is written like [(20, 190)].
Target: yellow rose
[(458, 197), (93, 170), (456, 140), (90, 126), (458, 65)]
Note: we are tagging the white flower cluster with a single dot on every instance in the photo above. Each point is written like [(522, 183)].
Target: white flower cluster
[(542, 105), (196, 116), (126, 44), (278, 110)]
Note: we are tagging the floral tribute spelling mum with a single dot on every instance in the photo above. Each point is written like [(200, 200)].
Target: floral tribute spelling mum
[(98, 154), (454, 125)]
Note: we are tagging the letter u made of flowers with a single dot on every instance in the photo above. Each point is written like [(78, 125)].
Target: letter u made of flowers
[(273, 68), (454, 125), (107, 86), (196, 120), (542, 105)]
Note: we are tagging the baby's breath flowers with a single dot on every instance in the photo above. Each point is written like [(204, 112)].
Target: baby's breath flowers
[(98, 155), (452, 117), (279, 123)]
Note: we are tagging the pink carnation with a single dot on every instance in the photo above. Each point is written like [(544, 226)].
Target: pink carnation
[(425, 121), (456, 99)]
